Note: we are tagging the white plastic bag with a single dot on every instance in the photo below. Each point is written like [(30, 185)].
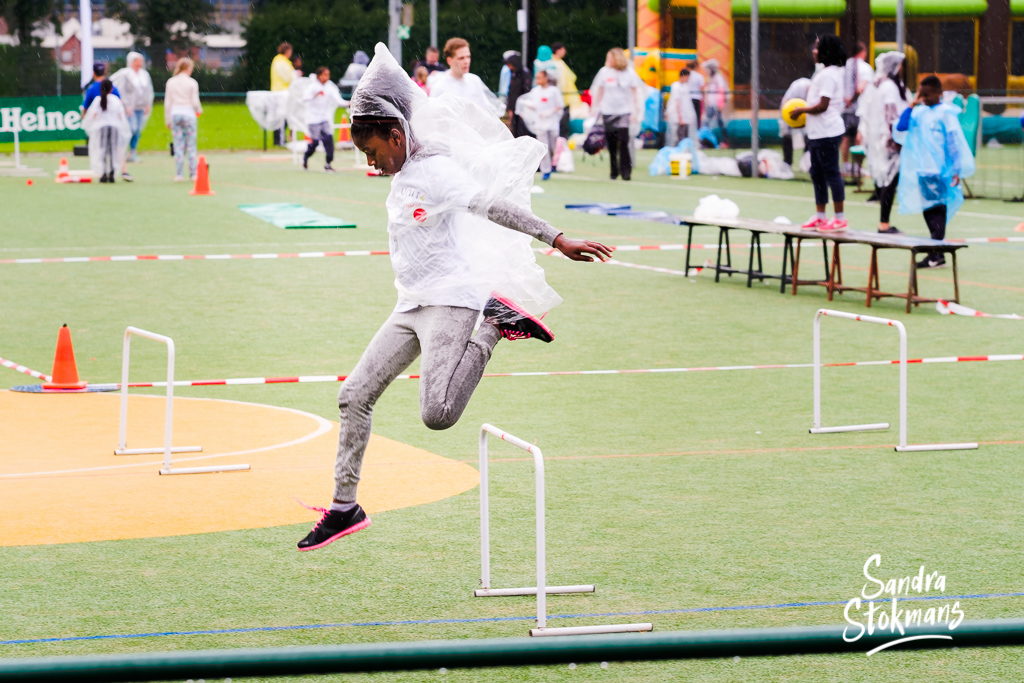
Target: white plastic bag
[(714, 207)]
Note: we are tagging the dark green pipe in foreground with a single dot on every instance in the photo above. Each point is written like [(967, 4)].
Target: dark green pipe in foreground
[(458, 654)]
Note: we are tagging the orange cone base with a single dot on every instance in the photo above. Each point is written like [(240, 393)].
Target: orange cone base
[(54, 389), (208, 192)]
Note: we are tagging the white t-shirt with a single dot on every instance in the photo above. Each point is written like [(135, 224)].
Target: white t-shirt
[(696, 84), (680, 105), (469, 87), (541, 108), (429, 198), (828, 124), (321, 100), (619, 90), (863, 76)]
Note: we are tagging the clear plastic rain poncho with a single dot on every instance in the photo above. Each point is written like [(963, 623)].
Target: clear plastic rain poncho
[(114, 117), (934, 150), (880, 106), (485, 258), (296, 117), (267, 108)]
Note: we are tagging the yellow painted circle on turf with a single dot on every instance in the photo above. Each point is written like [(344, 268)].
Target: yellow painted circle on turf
[(60, 481)]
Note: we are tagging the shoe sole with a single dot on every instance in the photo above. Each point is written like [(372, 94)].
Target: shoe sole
[(341, 534), (523, 313)]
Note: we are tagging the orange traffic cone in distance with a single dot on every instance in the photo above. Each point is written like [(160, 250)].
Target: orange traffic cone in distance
[(345, 132), (65, 372), (202, 185), (62, 170)]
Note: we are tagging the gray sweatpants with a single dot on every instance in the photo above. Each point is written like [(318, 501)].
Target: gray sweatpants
[(453, 362)]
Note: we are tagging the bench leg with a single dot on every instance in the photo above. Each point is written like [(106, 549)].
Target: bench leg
[(689, 247), (718, 260), (872, 276), (835, 278), (787, 254), (750, 260), (912, 283), (728, 252), (956, 281), (796, 263)]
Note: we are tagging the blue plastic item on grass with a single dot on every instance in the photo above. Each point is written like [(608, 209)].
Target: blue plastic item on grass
[(662, 164), (652, 111)]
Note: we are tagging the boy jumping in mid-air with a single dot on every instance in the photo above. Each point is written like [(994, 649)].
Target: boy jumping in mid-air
[(934, 158), (459, 175)]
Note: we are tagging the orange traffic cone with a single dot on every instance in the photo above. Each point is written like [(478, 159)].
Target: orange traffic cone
[(202, 185), (1020, 228), (62, 171), (65, 372), (345, 132)]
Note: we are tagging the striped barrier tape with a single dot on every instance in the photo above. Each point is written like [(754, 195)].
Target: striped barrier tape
[(331, 254), (311, 379), (950, 308), (24, 370)]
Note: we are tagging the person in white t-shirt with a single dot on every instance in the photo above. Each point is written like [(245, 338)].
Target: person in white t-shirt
[(541, 110), (615, 95), (458, 81), (459, 230), (796, 90), (857, 75), (824, 132), (679, 112), (322, 98)]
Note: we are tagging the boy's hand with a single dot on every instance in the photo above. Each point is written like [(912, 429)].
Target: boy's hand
[(582, 250), (956, 180)]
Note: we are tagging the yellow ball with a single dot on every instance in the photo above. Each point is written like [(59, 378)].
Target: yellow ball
[(792, 104)]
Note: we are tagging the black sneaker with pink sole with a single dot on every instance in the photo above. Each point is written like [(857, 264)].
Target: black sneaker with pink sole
[(514, 323), (334, 525)]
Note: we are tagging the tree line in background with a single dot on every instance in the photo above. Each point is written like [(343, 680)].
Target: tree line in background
[(323, 32)]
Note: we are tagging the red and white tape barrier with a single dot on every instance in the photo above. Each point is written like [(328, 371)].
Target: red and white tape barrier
[(24, 370), (950, 308), (331, 254), (192, 257), (312, 379)]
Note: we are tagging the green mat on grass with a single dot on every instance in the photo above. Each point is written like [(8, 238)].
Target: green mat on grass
[(290, 216)]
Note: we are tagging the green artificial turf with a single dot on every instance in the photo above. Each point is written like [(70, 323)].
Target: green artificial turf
[(721, 498)]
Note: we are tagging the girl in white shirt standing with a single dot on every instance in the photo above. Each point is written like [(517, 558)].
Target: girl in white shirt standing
[(616, 97), (541, 110), (825, 130), (181, 107)]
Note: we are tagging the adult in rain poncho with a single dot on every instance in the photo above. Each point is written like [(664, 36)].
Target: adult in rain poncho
[(716, 93), (106, 124), (934, 159), (881, 105), (355, 70), (459, 227), (136, 89)]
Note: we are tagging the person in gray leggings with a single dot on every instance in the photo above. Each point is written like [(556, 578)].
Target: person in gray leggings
[(424, 233)]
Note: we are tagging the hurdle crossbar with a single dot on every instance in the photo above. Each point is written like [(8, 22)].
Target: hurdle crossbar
[(902, 447), (541, 590), (167, 449)]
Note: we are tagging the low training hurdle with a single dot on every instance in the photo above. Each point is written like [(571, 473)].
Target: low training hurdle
[(902, 447), (167, 449), (541, 590)]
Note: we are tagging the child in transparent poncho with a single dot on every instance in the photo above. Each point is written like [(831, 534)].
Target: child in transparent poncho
[(460, 230), (934, 159)]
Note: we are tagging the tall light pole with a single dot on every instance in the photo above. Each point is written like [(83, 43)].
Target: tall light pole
[(394, 42), (755, 83), (630, 26), (900, 25), (433, 22)]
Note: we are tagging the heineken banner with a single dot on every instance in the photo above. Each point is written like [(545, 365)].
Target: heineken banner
[(39, 119)]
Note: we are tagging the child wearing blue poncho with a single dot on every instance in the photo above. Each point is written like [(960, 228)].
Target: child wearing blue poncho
[(934, 158)]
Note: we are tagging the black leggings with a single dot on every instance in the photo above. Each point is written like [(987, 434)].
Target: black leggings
[(618, 146), (825, 169), (935, 217), (886, 196)]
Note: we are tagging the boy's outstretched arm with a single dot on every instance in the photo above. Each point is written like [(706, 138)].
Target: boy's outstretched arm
[(509, 215)]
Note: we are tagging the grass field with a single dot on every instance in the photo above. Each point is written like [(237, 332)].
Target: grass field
[(698, 494)]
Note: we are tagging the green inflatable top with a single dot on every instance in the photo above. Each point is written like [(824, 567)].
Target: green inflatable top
[(932, 8), (781, 9)]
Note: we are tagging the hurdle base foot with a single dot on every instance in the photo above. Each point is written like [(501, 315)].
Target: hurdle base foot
[(549, 590), (201, 470), (873, 427), (590, 630), (937, 447), (153, 451)]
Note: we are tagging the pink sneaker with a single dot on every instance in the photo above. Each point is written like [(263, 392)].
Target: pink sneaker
[(834, 225), (814, 223)]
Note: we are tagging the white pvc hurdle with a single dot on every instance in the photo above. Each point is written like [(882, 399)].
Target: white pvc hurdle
[(167, 449), (541, 590), (902, 447)]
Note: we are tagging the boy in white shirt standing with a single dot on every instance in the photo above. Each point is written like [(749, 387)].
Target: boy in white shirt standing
[(825, 130), (679, 112), (459, 230), (322, 98), (458, 81), (541, 110)]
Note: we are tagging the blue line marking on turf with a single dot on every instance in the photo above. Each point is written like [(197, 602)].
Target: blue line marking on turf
[(420, 622)]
